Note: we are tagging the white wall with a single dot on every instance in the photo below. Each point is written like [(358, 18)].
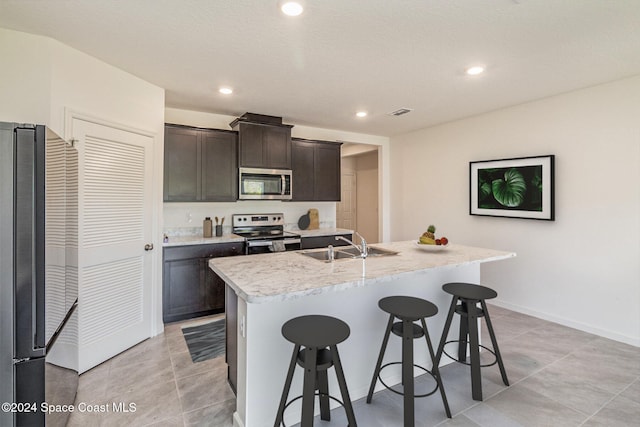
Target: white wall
[(583, 269), (41, 80), (186, 218), (25, 77), (87, 85)]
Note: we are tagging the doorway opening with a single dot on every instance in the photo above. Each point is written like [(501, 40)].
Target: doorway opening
[(358, 208)]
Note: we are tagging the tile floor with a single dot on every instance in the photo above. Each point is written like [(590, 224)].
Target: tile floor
[(559, 377), (166, 386)]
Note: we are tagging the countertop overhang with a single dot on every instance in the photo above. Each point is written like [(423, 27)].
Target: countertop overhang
[(288, 275)]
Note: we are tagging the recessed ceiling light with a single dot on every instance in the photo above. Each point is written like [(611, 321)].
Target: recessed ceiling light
[(361, 114), (225, 90), (291, 8), (475, 70)]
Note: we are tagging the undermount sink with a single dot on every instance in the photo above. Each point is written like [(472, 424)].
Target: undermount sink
[(323, 255), (346, 253), (371, 251)]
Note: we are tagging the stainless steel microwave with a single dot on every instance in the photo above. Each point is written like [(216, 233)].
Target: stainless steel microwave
[(264, 184)]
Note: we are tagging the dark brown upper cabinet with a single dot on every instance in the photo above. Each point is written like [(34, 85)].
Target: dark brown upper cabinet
[(264, 142), (316, 170), (200, 165), (219, 166)]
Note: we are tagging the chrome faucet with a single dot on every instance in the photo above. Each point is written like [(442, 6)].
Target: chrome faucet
[(363, 244)]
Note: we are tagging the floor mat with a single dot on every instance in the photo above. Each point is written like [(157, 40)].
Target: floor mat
[(205, 341)]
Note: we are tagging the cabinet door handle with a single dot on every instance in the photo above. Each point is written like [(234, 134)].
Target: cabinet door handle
[(148, 247)]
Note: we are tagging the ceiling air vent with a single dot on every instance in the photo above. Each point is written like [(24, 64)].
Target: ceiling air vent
[(400, 112)]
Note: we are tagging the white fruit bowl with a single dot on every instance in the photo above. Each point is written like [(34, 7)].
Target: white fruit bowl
[(431, 248)]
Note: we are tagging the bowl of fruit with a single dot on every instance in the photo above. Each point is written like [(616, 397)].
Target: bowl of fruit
[(429, 242)]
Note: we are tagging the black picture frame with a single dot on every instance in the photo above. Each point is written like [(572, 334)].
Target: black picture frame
[(521, 187)]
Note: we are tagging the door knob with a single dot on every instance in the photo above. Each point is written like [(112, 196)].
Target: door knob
[(148, 247)]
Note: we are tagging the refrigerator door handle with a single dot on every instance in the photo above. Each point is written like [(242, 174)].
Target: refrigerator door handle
[(29, 243), (39, 325), (56, 334)]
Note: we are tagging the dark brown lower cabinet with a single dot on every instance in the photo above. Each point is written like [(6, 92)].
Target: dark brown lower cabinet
[(189, 287), (324, 241)]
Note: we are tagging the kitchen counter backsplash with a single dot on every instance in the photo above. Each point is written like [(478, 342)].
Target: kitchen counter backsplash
[(226, 229), (199, 240), (294, 226), (182, 236), (191, 231)]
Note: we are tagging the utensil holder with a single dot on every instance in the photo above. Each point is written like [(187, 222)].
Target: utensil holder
[(218, 230)]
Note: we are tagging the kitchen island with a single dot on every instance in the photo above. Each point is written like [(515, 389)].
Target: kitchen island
[(270, 289)]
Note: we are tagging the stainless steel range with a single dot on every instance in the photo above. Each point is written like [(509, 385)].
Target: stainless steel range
[(264, 233)]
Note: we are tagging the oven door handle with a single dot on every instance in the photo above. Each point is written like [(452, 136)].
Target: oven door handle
[(256, 243)]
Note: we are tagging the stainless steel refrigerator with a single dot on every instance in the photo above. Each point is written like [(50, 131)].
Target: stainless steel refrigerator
[(38, 275)]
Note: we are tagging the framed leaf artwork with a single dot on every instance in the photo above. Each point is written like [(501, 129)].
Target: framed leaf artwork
[(516, 188)]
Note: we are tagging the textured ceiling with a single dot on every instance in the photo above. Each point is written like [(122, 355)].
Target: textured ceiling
[(341, 56)]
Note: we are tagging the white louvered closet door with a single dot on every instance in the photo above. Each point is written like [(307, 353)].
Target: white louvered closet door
[(115, 213)]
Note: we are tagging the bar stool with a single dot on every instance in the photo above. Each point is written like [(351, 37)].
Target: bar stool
[(315, 340), (408, 310), (469, 296)]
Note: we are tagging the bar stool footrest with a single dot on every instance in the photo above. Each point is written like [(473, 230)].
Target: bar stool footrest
[(444, 351), (416, 366), (317, 393)]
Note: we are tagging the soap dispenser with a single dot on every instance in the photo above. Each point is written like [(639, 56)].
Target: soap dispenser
[(207, 227)]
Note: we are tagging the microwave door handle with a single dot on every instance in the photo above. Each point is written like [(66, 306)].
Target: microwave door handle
[(284, 184)]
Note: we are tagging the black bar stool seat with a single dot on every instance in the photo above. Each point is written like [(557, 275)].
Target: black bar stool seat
[(469, 295), (469, 291), (408, 310), (315, 339)]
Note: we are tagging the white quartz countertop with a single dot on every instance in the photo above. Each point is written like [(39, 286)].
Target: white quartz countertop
[(199, 240), (228, 238), (288, 275)]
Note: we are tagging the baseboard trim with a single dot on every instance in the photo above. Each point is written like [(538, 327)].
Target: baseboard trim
[(634, 341), (237, 422)]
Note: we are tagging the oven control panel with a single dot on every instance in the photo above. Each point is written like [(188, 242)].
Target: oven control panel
[(253, 220)]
